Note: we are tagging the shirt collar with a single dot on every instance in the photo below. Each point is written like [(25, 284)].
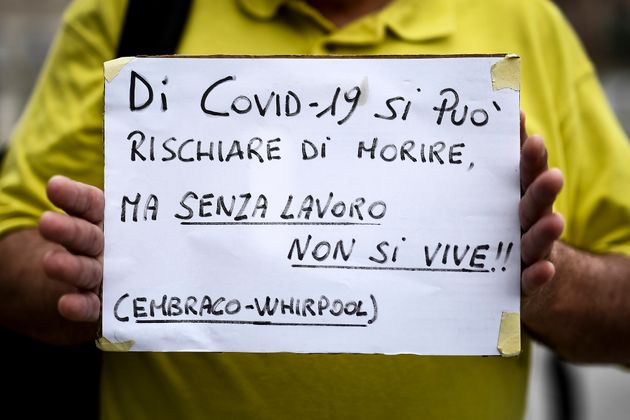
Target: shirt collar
[(410, 20), (261, 9)]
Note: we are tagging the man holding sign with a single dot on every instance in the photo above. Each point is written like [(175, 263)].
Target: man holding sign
[(573, 289)]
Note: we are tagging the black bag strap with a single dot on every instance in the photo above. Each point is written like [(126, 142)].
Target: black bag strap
[(153, 27)]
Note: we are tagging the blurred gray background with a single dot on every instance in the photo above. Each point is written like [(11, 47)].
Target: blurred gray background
[(594, 393)]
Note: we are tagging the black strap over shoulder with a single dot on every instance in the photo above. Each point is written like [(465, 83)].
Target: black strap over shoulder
[(153, 27)]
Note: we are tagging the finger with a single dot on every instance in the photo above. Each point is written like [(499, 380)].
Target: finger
[(84, 306), (75, 234), (533, 160), (539, 197), (536, 275), (537, 242), (76, 198), (523, 129), (81, 272)]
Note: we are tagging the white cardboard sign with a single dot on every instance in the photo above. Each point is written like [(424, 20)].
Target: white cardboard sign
[(293, 204)]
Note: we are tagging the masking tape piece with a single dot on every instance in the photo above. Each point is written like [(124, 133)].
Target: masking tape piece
[(506, 73), (113, 67), (106, 345), (510, 334)]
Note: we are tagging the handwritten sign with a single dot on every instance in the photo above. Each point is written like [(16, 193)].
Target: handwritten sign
[(294, 204)]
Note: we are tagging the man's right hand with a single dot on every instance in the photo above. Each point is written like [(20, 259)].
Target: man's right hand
[(80, 232)]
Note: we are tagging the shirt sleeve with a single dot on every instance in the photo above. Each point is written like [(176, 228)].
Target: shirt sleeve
[(597, 153), (60, 131)]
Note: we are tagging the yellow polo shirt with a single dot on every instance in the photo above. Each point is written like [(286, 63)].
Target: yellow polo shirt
[(61, 133)]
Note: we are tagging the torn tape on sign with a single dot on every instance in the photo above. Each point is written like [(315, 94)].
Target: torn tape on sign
[(509, 344), (506, 73)]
